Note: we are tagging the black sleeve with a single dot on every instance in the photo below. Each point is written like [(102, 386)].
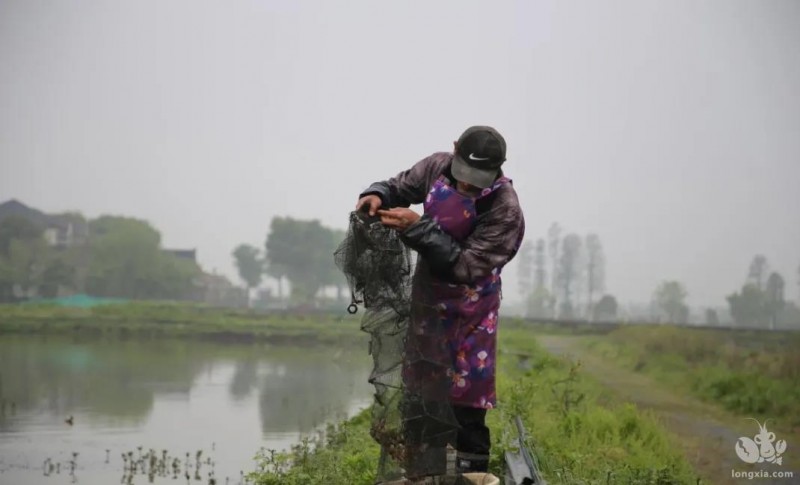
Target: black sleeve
[(492, 244), (411, 186), (389, 197), (438, 248)]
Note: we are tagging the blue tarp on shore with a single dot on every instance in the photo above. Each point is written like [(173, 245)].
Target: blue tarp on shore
[(77, 301)]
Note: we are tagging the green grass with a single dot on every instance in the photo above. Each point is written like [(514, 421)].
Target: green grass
[(344, 454), (751, 374), (157, 319), (578, 438)]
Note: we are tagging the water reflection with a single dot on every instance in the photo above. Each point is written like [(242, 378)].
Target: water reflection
[(172, 395)]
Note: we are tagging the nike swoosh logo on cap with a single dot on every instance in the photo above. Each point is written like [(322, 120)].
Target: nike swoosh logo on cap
[(477, 159)]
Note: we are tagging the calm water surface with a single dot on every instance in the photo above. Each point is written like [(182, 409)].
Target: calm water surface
[(178, 398)]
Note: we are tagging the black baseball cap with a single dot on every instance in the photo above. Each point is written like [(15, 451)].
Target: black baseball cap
[(479, 153)]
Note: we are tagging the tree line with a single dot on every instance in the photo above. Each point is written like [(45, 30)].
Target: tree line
[(563, 276), (120, 257), (761, 300), (299, 252)]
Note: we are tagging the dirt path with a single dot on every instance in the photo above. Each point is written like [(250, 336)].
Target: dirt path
[(705, 433)]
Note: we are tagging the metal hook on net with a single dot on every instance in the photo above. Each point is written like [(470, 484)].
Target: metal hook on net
[(353, 307)]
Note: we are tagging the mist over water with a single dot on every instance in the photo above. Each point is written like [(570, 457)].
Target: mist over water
[(667, 128)]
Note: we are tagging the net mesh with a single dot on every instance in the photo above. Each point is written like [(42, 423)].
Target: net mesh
[(411, 417)]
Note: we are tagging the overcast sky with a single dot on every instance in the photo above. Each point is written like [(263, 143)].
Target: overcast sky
[(670, 128)]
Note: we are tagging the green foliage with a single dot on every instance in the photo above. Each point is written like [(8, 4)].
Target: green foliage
[(577, 440), (58, 271), (16, 228), (757, 273), (747, 306), (754, 306), (121, 258), (540, 303), (28, 264), (525, 269), (249, 264), (302, 251), (569, 273), (774, 303), (179, 319), (344, 454), (746, 373), (760, 302), (670, 297), (595, 268), (127, 262), (605, 309)]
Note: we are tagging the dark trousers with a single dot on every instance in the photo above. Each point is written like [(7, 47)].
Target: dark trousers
[(427, 433), (473, 440)]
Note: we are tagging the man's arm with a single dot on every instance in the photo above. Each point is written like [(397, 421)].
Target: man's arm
[(493, 243), (411, 186)]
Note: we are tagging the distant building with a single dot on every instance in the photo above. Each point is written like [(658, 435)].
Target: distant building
[(187, 254), (217, 290), (59, 230), (71, 230)]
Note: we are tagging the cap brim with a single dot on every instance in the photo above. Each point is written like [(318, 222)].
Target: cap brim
[(463, 172)]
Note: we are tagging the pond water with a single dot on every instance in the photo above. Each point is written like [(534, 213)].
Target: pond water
[(70, 409)]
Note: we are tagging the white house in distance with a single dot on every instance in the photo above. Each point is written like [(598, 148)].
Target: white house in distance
[(60, 230)]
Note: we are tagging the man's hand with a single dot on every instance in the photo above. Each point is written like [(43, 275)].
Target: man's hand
[(372, 203), (398, 218)]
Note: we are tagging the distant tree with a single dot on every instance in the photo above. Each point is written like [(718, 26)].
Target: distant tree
[(605, 309), (17, 228), (539, 300), (59, 272), (712, 318), (670, 297), (525, 270), (336, 277), (747, 306), (595, 269), (250, 265), (774, 301), (276, 271), (539, 303), (22, 251), (798, 284), (553, 244), (302, 251), (127, 262), (540, 265), (790, 316), (757, 273), (24, 265), (175, 278), (568, 273), (579, 285)]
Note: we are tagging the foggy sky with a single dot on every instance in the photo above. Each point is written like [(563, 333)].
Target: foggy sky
[(671, 129)]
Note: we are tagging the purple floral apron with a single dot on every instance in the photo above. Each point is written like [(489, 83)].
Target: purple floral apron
[(467, 314)]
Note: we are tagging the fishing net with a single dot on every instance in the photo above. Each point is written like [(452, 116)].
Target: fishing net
[(412, 419)]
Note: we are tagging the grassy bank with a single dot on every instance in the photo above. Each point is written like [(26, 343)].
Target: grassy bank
[(155, 320), (579, 437), (754, 374)]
